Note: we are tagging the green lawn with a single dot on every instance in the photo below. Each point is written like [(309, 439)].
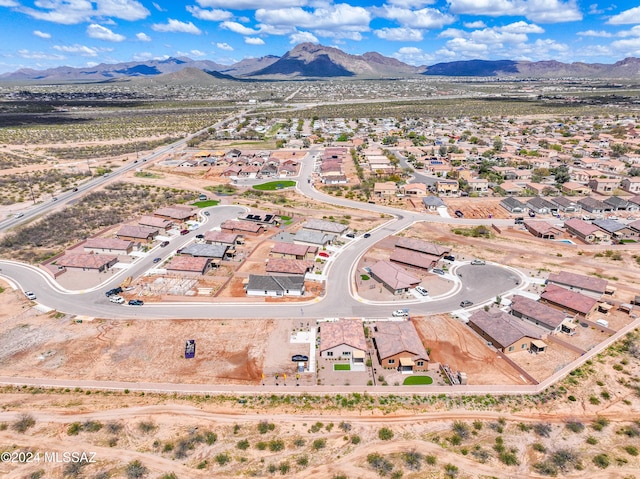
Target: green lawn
[(342, 367), (275, 185), (206, 203), (364, 277), (417, 381)]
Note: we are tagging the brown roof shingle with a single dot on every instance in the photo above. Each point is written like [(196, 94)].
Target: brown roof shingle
[(344, 331)]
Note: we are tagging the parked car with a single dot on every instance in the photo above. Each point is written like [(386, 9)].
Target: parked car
[(184, 232), (30, 295), (422, 291), (136, 302), (478, 262), (532, 214), (366, 235), (449, 257), (323, 254), (164, 243), (116, 299), (350, 235), (519, 220), (199, 236), (459, 213), (113, 291), (399, 313), (466, 303), (206, 213), (437, 271), (299, 358)]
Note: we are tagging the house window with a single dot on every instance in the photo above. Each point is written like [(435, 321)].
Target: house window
[(346, 353), (329, 353), (419, 363), (510, 348), (391, 361), (524, 346)]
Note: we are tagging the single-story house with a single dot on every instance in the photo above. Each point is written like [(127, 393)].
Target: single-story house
[(189, 264), (86, 261), (313, 238), (586, 231), (565, 205), (507, 333), (394, 277), (218, 237), (289, 266), (593, 206), (422, 246), (542, 229), (267, 285), (414, 189), (617, 230), (513, 205), (432, 203), (414, 258), (509, 187), (177, 212), (216, 251), (575, 188), (537, 313), (343, 339), (327, 227), (587, 285), (137, 233), (387, 188), (245, 227), (568, 301), (293, 251), (617, 203), (540, 205), (399, 346), (107, 245), (156, 222)]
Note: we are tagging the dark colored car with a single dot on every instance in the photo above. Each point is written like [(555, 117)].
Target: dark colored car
[(366, 235), (199, 236), (299, 358), (519, 220), (437, 271), (136, 302), (113, 291), (449, 257), (157, 260), (459, 213), (164, 243), (184, 232), (350, 235), (206, 213), (466, 303)]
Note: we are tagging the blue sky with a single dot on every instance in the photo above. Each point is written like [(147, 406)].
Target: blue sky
[(47, 33)]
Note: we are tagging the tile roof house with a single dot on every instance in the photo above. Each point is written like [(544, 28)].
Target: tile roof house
[(137, 233), (107, 245), (432, 203), (414, 258), (293, 251), (399, 346), (387, 188), (343, 339), (587, 285), (631, 185), (205, 250), (267, 285), (323, 226), (505, 332), (189, 264), (86, 261), (593, 206), (537, 313), (604, 185), (542, 229), (513, 205), (574, 188), (586, 231), (422, 246), (414, 189), (289, 266), (218, 237), (617, 230), (569, 301), (156, 222), (237, 226), (395, 278), (177, 212)]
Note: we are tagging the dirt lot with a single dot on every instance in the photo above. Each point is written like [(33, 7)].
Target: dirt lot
[(483, 207), (543, 365)]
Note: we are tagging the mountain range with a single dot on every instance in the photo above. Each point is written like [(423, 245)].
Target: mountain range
[(312, 61)]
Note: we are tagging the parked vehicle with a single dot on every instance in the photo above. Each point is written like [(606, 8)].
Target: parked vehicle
[(323, 254), (399, 313), (350, 235), (459, 213), (184, 232), (199, 236), (30, 295), (519, 220), (466, 303), (299, 357), (422, 291), (113, 291), (157, 260), (449, 257), (532, 214), (136, 302), (164, 243), (478, 262), (19, 215), (116, 299), (437, 271), (206, 213)]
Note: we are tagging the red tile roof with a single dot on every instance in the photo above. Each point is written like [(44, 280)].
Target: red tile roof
[(395, 337), (293, 249), (590, 283), (85, 260), (421, 246), (568, 299), (289, 266), (344, 331)]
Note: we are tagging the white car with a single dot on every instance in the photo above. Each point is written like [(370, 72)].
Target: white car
[(398, 313), (478, 262), (30, 295), (422, 291), (116, 299)]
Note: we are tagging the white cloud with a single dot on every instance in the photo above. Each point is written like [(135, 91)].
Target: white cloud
[(543, 11), (224, 46), (251, 4), (210, 15), (332, 17), (413, 56), (158, 7), (411, 3), (8, 3), (476, 24), (83, 50), (40, 34), (633, 32), (520, 27), (238, 28), (453, 33), (628, 47), (173, 25), (143, 37), (254, 41), (628, 16), (303, 37), (399, 34), (594, 33), (103, 33), (125, 9), (69, 12), (39, 55), (191, 54), (276, 30), (428, 18)]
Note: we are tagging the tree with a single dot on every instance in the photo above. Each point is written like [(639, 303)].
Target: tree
[(561, 174), (497, 144)]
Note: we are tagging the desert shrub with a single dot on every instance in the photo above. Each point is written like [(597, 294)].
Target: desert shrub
[(302, 461), (243, 445), (601, 460), (265, 426), (431, 459), (599, 424), (345, 426), (631, 450), (261, 445), (136, 470), (565, 459), (355, 439), (461, 429), (542, 429), (524, 427), (222, 458), (413, 460), (508, 458), (385, 434), (451, 470), (316, 427), (319, 444), (538, 446), (24, 422), (74, 469), (276, 445), (477, 425), (546, 468), (284, 467), (592, 440), (299, 442), (113, 427), (575, 426), (74, 429), (480, 454), (169, 475), (146, 427), (36, 474), (379, 463)]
